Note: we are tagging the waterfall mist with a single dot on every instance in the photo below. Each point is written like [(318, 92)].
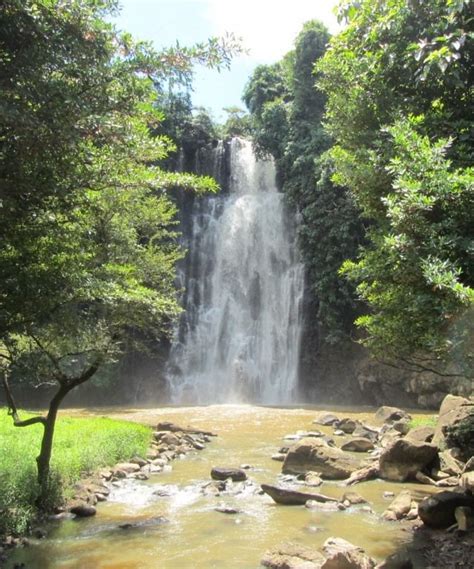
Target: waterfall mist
[(238, 339)]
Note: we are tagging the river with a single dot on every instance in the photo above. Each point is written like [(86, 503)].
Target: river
[(193, 535)]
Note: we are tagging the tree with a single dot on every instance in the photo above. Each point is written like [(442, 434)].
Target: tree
[(287, 111), (88, 252), (237, 123), (400, 109)]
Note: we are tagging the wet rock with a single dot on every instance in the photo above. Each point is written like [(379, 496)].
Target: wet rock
[(399, 508), (324, 506), (293, 497), (387, 414), (172, 427), (292, 437), (358, 445), (83, 510), (346, 425), (313, 479), (339, 433), (420, 434), (387, 494), (314, 455), (235, 474), (39, 533), (279, 457), (367, 473), (438, 511), (292, 556), (326, 419), (353, 498), (403, 459), (225, 509), (344, 555)]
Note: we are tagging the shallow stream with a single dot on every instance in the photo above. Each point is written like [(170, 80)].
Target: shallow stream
[(180, 528)]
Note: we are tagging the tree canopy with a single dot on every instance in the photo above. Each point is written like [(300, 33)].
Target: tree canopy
[(399, 82), (88, 248)]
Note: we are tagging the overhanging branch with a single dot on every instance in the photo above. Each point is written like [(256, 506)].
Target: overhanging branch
[(13, 411)]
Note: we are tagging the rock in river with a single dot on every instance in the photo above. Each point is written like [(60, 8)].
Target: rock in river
[(293, 497), (402, 459), (315, 454), (235, 474), (293, 556)]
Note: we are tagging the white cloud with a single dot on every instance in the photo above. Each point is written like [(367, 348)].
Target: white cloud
[(268, 27)]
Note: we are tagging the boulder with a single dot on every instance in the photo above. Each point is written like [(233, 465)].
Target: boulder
[(289, 497), (324, 506), (313, 479), (342, 554), (235, 474), (467, 481), (420, 434), (399, 508), (314, 454), (173, 428), (450, 464), (453, 409), (353, 498), (403, 459), (127, 467), (83, 510), (326, 419), (438, 511), (366, 431), (292, 556), (347, 425), (387, 414), (358, 444)]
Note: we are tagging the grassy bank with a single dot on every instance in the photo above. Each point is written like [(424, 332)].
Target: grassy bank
[(80, 447)]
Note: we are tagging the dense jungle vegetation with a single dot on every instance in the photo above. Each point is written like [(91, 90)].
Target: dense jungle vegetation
[(372, 134)]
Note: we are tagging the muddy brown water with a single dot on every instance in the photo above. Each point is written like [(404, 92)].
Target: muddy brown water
[(195, 535)]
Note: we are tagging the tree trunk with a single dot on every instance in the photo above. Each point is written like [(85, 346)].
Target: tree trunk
[(44, 458)]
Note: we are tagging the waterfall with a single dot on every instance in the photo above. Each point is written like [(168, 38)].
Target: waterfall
[(239, 336)]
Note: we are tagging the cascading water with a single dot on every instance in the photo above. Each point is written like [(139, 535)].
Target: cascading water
[(239, 336)]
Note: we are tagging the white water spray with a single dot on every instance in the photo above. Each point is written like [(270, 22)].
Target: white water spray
[(242, 324)]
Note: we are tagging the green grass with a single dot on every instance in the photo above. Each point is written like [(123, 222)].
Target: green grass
[(80, 447), (423, 421)]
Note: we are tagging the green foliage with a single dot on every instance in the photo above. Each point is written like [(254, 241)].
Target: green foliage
[(88, 251), (287, 112), (238, 123), (103, 442), (417, 274), (410, 176)]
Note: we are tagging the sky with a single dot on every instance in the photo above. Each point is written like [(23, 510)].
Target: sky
[(268, 29)]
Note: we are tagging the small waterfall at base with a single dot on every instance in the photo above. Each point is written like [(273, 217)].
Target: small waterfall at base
[(238, 340)]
